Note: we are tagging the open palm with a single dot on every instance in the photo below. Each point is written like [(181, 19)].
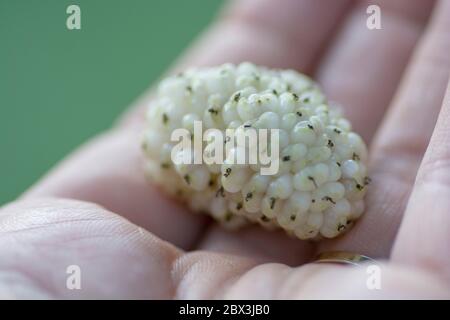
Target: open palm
[(132, 242)]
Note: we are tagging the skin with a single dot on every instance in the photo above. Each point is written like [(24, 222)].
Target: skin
[(96, 210)]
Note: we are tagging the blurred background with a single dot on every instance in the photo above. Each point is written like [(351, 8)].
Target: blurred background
[(58, 87)]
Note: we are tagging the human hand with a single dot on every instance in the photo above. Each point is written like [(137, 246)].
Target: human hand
[(41, 234)]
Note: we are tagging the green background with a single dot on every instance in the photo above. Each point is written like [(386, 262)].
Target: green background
[(60, 87)]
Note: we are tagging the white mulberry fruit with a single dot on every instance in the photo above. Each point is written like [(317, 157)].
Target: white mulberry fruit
[(319, 188)]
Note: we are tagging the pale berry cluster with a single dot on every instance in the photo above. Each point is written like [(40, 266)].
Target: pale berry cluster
[(319, 188)]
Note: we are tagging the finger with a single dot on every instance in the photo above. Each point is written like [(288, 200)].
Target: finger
[(401, 141), (49, 245), (328, 281), (114, 259), (107, 170), (202, 275), (363, 67), (424, 236), (282, 34)]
